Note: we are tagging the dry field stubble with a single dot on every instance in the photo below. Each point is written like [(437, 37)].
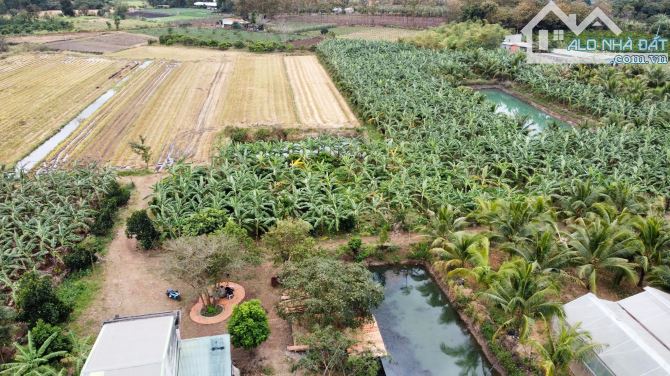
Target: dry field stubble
[(260, 93), (171, 104), (180, 105), (318, 102), (40, 93), (284, 92)]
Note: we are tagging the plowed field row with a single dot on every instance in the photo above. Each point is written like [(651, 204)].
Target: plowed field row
[(170, 104), (39, 94)]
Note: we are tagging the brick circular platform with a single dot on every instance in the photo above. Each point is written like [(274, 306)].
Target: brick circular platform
[(227, 304)]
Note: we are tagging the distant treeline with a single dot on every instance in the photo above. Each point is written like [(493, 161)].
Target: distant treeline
[(15, 6), (26, 23)]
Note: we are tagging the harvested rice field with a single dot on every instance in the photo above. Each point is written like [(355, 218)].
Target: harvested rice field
[(180, 104), (285, 92), (172, 105), (41, 92)]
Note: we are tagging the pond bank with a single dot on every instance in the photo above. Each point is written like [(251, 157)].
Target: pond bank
[(473, 330), (510, 89)]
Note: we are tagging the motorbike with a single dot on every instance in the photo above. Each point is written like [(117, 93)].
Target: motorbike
[(173, 294)]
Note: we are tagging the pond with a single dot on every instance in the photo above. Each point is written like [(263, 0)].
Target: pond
[(422, 333), (510, 105)]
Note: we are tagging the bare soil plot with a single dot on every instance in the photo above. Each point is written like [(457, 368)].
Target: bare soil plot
[(51, 37), (173, 53), (39, 93), (173, 105), (107, 42)]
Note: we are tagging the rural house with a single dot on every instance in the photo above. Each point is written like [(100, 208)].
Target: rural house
[(150, 345)]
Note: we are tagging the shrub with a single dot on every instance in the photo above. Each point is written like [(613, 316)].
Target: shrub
[(205, 221), (104, 219), (420, 251), (42, 331), (83, 255), (328, 351), (141, 227), (464, 35), (239, 135), (36, 299), (224, 45), (238, 44), (355, 245), (249, 326), (263, 134), (289, 240)]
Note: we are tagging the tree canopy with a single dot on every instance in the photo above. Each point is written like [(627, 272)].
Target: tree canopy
[(329, 292)]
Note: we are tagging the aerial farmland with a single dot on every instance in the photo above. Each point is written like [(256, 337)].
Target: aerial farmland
[(178, 99), (201, 192)]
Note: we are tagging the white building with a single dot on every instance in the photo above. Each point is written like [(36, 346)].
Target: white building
[(150, 345)]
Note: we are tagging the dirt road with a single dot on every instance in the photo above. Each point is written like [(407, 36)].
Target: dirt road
[(135, 283)]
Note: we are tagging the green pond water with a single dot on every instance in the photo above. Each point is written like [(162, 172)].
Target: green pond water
[(512, 106), (422, 333)]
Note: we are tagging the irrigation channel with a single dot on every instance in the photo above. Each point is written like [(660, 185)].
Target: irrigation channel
[(510, 105), (36, 156), (422, 332)]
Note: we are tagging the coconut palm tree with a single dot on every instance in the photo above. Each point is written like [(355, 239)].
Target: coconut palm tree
[(446, 220), (549, 254), (458, 249), (523, 296), (601, 246), (654, 236), (563, 344), (660, 277), (478, 266), (517, 219), (32, 361)]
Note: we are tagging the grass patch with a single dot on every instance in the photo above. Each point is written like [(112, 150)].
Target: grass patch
[(135, 172), (79, 289)]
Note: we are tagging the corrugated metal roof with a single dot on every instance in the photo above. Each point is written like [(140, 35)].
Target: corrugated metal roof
[(630, 348), (205, 356), (651, 309)]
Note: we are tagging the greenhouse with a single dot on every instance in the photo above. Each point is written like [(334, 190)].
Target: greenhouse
[(634, 332)]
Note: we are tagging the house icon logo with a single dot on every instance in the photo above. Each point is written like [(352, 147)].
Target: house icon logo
[(596, 18)]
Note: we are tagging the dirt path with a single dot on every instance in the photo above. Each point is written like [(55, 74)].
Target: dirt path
[(134, 282)]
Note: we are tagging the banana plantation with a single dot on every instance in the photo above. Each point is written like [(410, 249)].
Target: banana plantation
[(517, 222), (44, 216), (439, 144)]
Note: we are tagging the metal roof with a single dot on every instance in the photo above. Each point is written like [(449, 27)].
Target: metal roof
[(632, 331), (205, 356), (131, 346)]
